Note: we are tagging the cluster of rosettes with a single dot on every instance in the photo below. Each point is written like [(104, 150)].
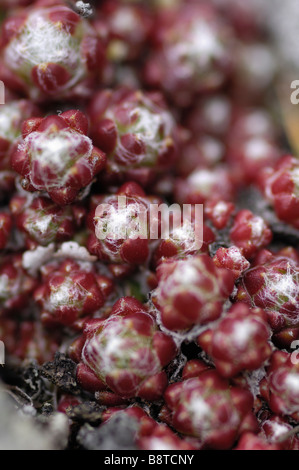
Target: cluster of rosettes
[(149, 222)]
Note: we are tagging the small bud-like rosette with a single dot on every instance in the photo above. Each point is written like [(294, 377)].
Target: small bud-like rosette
[(280, 387), (219, 213), (208, 408), (68, 293), (281, 188), (205, 185), (251, 83), (125, 353), (250, 233), (279, 432), (136, 131), (128, 27), (43, 222), (56, 156), (183, 233), (198, 150), (191, 53), (252, 144), (49, 51), (231, 258), (121, 225), (191, 291), (239, 342), (273, 284)]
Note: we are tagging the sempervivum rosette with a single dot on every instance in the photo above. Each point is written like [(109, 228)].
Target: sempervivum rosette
[(231, 258), (205, 185), (42, 221), (120, 226), (56, 156), (136, 131), (69, 292), (252, 143), (128, 27), (250, 233), (125, 353), (281, 188), (191, 291), (240, 341), (50, 51), (191, 52), (182, 241), (280, 387), (272, 283), (206, 407)]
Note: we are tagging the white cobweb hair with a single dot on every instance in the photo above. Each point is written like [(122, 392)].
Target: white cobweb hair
[(281, 288), (40, 41), (56, 151), (84, 9)]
